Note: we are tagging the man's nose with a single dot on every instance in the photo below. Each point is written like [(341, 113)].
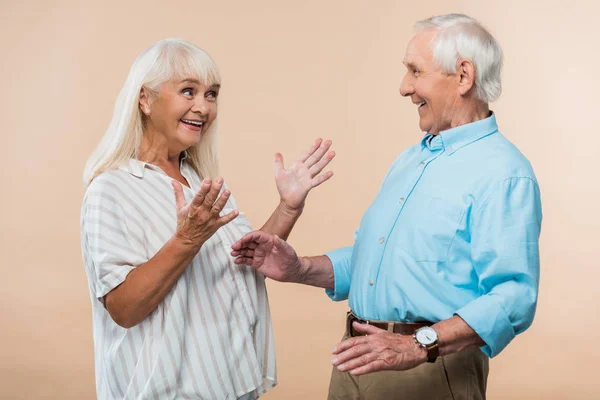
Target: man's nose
[(406, 86)]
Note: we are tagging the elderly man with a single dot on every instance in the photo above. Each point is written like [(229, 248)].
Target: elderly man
[(445, 261)]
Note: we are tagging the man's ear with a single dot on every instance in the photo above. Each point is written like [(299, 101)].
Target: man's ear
[(145, 101), (466, 71)]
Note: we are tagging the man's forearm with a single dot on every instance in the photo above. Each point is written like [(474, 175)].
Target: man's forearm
[(317, 271), (282, 221), (455, 335)]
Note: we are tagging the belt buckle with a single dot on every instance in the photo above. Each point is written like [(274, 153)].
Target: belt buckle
[(350, 318)]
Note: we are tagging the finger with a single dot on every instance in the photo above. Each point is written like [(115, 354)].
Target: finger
[(352, 352), (243, 252), (179, 197), (368, 329), (318, 167), (373, 366), (358, 361), (247, 253), (199, 197), (213, 193), (278, 163), (311, 150), (244, 260), (321, 178), (248, 246), (225, 219), (220, 203), (348, 343), (257, 236), (317, 155)]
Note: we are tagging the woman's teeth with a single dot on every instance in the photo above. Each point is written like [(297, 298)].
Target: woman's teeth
[(195, 123)]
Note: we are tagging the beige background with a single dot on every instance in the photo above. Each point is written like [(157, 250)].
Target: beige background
[(292, 71)]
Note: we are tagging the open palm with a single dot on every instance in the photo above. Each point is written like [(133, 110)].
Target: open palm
[(304, 174)]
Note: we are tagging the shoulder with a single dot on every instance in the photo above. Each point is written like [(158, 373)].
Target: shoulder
[(111, 188), (503, 160)]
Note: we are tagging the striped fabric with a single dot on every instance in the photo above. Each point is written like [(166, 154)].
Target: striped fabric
[(211, 337)]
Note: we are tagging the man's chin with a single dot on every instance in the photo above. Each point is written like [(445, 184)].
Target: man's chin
[(424, 127)]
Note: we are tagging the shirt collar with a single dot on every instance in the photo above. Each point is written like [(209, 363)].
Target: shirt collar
[(136, 167), (453, 139)]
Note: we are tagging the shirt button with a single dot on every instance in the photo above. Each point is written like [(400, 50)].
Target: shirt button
[(381, 240), (421, 164), (401, 200), (371, 283)]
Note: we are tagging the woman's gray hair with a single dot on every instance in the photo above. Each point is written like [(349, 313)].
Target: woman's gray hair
[(163, 61), (460, 36)]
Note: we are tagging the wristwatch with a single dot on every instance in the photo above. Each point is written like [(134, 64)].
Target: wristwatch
[(427, 338)]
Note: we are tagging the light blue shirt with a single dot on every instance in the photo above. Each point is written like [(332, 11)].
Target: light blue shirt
[(453, 230)]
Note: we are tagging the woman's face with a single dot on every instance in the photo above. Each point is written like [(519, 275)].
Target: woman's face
[(181, 112)]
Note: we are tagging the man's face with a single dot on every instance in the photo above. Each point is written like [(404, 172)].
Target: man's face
[(434, 92)]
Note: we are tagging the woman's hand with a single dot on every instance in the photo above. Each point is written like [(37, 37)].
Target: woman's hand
[(200, 219), (302, 176)]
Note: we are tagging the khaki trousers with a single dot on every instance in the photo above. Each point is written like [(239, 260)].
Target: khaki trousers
[(458, 376)]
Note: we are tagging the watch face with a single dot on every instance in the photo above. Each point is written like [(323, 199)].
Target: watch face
[(426, 336)]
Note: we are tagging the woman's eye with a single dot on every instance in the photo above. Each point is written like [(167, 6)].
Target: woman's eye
[(212, 94), (188, 92)]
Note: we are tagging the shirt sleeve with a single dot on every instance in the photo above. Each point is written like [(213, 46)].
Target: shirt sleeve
[(341, 259), (113, 241), (505, 254)]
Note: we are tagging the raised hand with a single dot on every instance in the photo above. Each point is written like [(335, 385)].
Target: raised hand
[(200, 219), (304, 174), (270, 255)]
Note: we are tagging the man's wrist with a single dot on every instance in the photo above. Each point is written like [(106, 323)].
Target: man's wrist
[(303, 268), (421, 352)]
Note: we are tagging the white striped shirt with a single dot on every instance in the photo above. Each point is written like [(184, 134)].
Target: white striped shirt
[(211, 337)]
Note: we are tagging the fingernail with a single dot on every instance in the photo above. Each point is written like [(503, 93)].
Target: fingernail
[(334, 360), (334, 349), (341, 367)]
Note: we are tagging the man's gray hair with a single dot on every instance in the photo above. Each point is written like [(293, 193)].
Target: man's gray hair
[(461, 36)]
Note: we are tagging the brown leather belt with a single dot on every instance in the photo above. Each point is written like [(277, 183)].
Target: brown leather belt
[(403, 328)]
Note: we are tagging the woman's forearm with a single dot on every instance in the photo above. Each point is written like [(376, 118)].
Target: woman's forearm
[(147, 285), (282, 221)]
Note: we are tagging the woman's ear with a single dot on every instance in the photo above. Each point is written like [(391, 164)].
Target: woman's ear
[(145, 101), (466, 71)]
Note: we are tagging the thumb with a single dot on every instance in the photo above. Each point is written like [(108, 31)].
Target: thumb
[(366, 328), (278, 163), (179, 197)]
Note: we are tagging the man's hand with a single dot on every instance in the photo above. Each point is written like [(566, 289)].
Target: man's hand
[(380, 350), (270, 255)]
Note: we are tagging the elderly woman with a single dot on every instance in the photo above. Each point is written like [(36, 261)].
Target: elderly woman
[(173, 316)]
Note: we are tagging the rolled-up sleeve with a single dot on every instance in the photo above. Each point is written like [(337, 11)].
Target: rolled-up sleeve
[(340, 258), (113, 240), (505, 255), (342, 271)]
